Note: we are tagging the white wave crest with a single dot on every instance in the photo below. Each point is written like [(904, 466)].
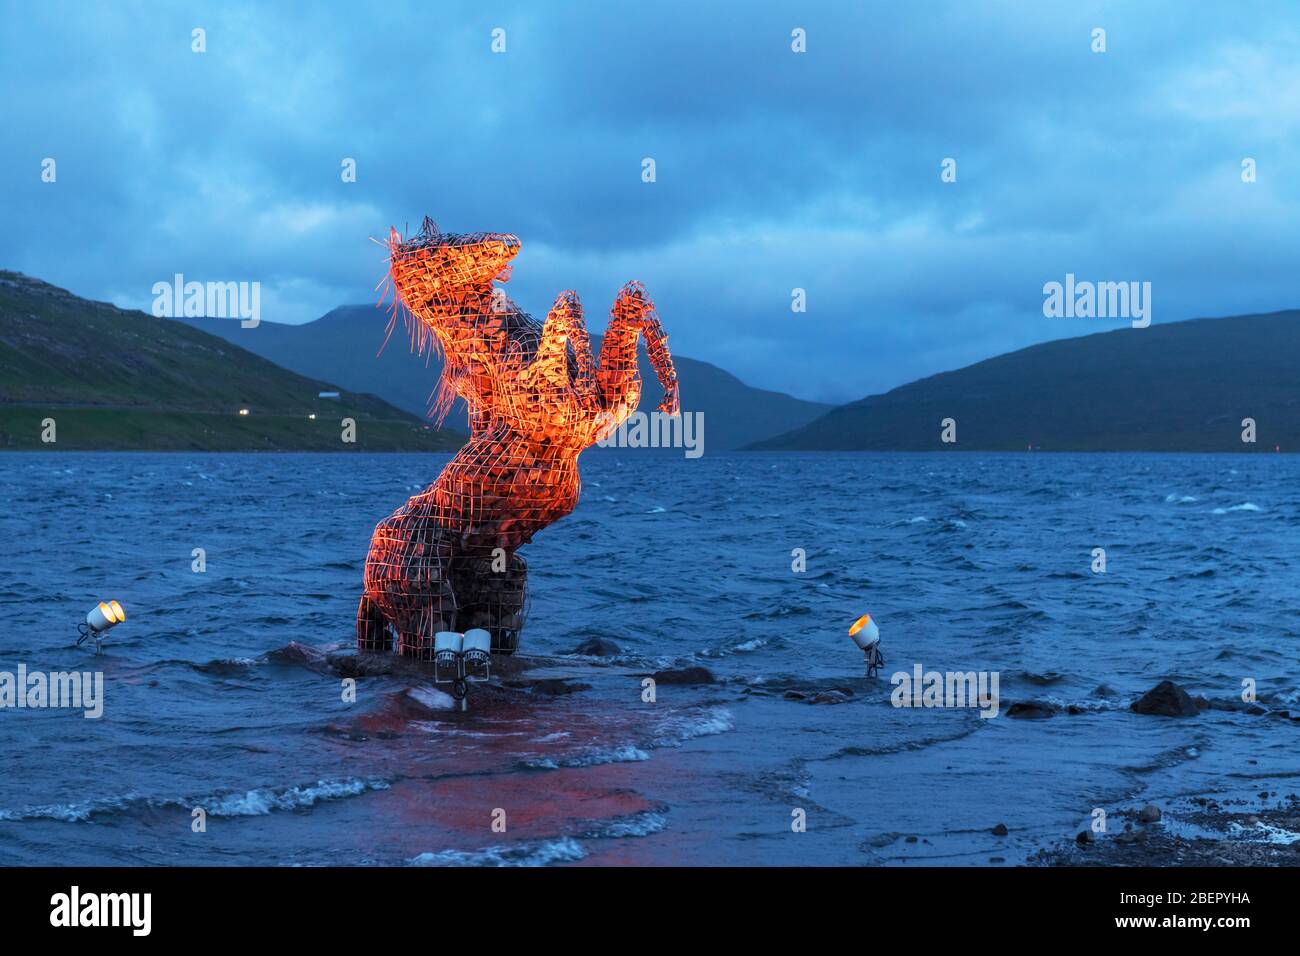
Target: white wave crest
[(538, 853), (264, 800), (1246, 506)]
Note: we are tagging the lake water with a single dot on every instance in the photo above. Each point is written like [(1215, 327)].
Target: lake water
[(969, 562)]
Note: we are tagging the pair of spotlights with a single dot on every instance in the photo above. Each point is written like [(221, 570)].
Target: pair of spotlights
[(102, 617), (461, 659)]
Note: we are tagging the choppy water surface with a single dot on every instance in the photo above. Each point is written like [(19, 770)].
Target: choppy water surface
[(969, 562)]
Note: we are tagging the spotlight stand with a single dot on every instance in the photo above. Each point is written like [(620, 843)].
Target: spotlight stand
[(86, 633), (873, 659)]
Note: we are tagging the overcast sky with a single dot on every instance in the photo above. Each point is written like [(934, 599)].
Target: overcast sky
[(775, 170)]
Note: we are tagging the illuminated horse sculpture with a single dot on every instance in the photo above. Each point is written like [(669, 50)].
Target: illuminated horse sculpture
[(446, 560)]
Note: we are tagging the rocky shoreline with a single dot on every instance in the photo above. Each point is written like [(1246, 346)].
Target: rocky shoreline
[(1197, 832), (1258, 830)]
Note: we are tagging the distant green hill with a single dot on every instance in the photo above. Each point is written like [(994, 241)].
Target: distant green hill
[(116, 379), (1177, 386), (341, 346)]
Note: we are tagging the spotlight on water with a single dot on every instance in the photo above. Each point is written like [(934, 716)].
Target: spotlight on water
[(866, 635), (102, 617)]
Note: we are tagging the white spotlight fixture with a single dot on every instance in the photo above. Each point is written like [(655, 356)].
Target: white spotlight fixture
[(102, 617), (477, 655), (461, 660), (446, 656), (866, 635)]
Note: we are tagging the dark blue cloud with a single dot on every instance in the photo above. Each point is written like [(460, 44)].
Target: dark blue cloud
[(775, 170)]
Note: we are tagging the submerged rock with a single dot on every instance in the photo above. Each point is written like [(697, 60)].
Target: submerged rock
[(350, 664), (1237, 706), (831, 697), (1030, 710), (597, 647), (1166, 699), (1149, 814), (556, 686), (684, 675), (302, 655), (1000, 830)]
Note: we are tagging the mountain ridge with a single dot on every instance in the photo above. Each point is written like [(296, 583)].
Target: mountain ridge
[(1173, 386), (121, 379)]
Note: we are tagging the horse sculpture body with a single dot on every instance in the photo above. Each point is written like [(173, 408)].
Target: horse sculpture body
[(447, 559)]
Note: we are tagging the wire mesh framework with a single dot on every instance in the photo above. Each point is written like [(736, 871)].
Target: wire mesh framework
[(447, 560)]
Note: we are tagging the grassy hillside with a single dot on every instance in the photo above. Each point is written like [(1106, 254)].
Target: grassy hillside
[(1178, 386), (341, 346), (117, 379)]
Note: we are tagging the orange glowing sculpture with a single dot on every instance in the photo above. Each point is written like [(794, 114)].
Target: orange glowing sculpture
[(446, 560)]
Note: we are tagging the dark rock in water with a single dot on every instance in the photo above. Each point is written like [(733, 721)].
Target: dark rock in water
[(301, 655), (1085, 838), (557, 686), (795, 695), (349, 664), (1050, 677), (911, 839), (846, 691), (1030, 710), (830, 697), (1105, 691), (1166, 699), (1234, 705), (997, 859), (684, 675), (1149, 814), (1000, 830), (597, 647)]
